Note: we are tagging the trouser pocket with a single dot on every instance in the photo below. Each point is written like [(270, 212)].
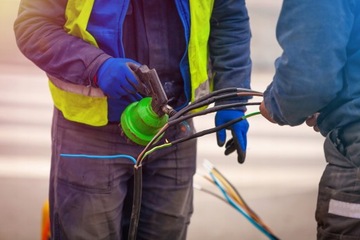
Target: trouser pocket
[(338, 215), (338, 206)]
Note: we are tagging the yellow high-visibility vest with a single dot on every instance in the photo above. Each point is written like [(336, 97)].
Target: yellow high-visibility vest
[(88, 105)]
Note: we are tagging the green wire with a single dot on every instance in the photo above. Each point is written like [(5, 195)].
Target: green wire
[(252, 114), (154, 149), (171, 143)]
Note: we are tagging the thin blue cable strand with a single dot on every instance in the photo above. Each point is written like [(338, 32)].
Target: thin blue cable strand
[(239, 209), (99, 156)]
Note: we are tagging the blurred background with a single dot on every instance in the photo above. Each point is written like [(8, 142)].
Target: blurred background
[(278, 179)]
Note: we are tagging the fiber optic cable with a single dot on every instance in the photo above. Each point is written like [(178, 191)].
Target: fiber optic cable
[(148, 150), (215, 129), (206, 100), (211, 110), (235, 200), (244, 213), (200, 188), (155, 144), (235, 205), (233, 191), (195, 135), (132, 159), (203, 101)]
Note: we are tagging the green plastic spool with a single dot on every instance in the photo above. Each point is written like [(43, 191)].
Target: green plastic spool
[(140, 123)]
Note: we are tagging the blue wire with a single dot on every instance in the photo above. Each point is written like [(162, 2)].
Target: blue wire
[(239, 209), (99, 156)]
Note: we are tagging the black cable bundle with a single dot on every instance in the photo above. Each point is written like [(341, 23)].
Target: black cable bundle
[(183, 114), (136, 206)]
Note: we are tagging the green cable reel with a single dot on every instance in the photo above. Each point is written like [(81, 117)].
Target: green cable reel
[(140, 123)]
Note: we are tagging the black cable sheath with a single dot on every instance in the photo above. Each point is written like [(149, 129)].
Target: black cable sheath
[(136, 206), (209, 101), (172, 122), (202, 101), (206, 100), (208, 131), (225, 90), (236, 191), (211, 110)]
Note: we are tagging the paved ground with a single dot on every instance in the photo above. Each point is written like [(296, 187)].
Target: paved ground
[(278, 180)]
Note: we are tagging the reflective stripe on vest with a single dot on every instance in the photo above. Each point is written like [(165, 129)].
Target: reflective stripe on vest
[(200, 14), (81, 104), (92, 110)]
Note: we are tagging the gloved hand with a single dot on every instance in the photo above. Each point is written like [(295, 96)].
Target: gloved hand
[(238, 130), (116, 79)]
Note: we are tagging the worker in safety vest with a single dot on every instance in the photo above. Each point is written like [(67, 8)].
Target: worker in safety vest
[(85, 48)]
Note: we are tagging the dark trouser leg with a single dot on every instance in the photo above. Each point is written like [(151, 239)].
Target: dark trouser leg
[(167, 202), (88, 197), (338, 207)]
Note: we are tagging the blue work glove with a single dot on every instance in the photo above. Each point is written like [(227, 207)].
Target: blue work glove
[(119, 83), (238, 131), (116, 78)]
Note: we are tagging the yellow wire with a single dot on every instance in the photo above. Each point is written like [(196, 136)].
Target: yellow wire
[(232, 191), (154, 149), (234, 195), (145, 151)]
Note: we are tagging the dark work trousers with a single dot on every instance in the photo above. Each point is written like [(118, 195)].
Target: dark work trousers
[(92, 198), (338, 207)]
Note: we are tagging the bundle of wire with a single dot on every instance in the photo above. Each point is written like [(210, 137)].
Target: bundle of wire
[(186, 113), (233, 198), (177, 117)]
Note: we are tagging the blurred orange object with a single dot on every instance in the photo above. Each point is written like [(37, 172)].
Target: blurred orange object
[(45, 227)]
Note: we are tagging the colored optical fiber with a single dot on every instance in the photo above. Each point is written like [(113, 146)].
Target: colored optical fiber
[(237, 202), (99, 156)]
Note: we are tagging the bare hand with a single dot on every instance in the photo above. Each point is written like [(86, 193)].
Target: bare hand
[(265, 112), (311, 121)]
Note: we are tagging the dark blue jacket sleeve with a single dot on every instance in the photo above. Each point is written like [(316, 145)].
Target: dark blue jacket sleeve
[(309, 73), (40, 35), (229, 45)]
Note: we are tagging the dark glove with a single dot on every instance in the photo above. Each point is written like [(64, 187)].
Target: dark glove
[(116, 79), (238, 131)]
